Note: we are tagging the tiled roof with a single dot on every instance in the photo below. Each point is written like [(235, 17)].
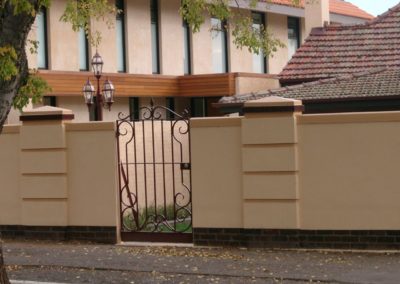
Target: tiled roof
[(338, 50), (335, 6), (383, 82)]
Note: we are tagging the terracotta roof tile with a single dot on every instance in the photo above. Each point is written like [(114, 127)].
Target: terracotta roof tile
[(336, 50), (381, 82), (335, 6)]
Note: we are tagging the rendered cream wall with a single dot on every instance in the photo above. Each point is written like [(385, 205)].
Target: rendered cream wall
[(119, 105), (13, 117), (81, 111), (317, 13), (241, 60), (14, 114), (349, 172), (277, 24), (58, 175), (171, 43), (249, 84), (77, 104), (312, 172), (10, 198), (92, 174), (108, 46), (216, 155), (62, 40), (201, 47), (138, 37)]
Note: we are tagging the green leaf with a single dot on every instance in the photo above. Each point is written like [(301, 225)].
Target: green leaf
[(8, 59), (34, 89)]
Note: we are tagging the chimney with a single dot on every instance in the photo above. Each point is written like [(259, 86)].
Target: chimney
[(316, 14)]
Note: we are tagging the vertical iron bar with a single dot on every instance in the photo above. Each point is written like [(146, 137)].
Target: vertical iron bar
[(136, 177), (163, 165), (173, 171), (145, 174), (119, 178), (154, 169)]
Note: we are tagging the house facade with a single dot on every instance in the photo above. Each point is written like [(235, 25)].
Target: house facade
[(151, 53)]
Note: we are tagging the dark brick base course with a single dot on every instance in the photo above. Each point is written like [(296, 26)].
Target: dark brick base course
[(76, 233), (265, 238)]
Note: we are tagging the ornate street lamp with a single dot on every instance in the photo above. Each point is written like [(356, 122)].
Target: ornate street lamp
[(102, 100), (97, 65), (108, 93)]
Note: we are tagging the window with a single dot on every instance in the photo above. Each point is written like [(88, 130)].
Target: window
[(154, 37), (120, 31), (293, 35), (170, 102), (187, 52), (219, 46), (198, 107), (41, 36), (259, 60), (50, 101), (83, 51), (134, 108)]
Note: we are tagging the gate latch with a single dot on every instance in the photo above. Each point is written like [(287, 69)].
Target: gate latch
[(185, 166)]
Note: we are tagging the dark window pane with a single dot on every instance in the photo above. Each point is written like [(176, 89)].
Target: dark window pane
[(259, 60), (187, 49), (41, 35), (134, 108), (83, 51), (154, 37), (50, 101), (120, 32), (293, 35), (219, 46), (198, 107)]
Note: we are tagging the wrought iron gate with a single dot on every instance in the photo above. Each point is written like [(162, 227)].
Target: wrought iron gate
[(155, 175)]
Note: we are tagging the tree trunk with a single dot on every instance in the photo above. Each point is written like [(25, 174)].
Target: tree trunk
[(3, 274), (14, 29)]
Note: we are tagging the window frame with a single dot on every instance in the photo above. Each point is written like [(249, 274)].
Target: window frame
[(188, 46), (224, 32), (46, 47), (155, 19), (294, 23), (264, 23), (86, 47), (120, 5)]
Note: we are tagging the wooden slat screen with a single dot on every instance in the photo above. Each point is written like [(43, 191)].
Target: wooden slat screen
[(132, 85)]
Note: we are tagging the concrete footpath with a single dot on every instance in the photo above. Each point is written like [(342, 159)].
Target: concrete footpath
[(87, 263)]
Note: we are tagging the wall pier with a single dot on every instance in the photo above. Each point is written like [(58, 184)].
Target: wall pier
[(269, 164), (59, 179)]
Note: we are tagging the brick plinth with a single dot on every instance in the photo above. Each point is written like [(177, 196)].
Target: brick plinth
[(329, 239), (60, 233)]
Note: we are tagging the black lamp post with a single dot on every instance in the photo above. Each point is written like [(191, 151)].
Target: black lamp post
[(102, 100)]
